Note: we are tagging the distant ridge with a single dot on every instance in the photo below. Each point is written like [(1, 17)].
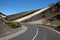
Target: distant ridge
[(20, 15)]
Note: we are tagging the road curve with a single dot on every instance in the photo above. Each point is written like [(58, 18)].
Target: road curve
[(38, 32)]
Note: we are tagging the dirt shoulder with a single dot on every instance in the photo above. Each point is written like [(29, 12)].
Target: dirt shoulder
[(15, 33)]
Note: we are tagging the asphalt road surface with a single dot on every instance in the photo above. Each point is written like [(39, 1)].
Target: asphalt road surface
[(38, 32)]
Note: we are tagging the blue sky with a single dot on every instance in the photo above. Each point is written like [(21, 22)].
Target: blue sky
[(15, 6)]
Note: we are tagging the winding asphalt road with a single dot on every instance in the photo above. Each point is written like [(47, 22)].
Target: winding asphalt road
[(38, 32)]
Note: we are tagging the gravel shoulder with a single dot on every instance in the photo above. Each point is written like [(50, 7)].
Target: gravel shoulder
[(13, 33)]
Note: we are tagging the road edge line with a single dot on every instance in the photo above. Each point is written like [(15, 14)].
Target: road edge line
[(35, 34)]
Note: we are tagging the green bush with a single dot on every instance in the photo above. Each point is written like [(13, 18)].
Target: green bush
[(13, 24)]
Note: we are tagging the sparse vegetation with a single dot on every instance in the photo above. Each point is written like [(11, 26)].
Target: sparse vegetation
[(13, 24)]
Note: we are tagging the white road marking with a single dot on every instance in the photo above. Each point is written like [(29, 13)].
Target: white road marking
[(35, 34)]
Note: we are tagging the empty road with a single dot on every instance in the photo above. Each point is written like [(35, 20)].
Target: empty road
[(38, 32)]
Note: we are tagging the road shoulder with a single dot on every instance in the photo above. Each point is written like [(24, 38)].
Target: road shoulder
[(14, 34)]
